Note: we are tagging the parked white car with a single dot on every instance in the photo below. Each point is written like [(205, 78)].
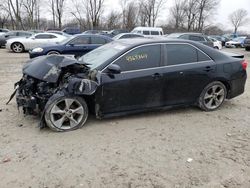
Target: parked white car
[(19, 45), (236, 43), (148, 31), (216, 44)]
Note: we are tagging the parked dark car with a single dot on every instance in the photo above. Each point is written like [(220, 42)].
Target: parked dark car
[(76, 45), (198, 37), (128, 76), (247, 43), (3, 30), (13, 34), (36, 31), (71, 30), (127, 35), (59, 33), (91, 32), (117, 31), (220, 38)]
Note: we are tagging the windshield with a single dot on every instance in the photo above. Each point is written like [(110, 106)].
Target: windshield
[(66, 40), (100, 55), (117, 36)]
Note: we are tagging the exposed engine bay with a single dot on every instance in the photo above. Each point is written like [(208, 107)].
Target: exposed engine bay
[(45, 76)]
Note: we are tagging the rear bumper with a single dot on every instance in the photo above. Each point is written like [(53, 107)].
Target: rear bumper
[(237, 87)]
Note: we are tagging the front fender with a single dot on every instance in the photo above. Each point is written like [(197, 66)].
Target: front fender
[(80, 86)]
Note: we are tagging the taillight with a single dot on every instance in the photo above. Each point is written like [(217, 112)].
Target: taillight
[(244, 64)]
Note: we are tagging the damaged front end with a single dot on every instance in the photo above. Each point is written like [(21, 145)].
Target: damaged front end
[(45, 76)]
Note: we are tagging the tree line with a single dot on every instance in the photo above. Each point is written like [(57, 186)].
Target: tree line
[(183, 15)]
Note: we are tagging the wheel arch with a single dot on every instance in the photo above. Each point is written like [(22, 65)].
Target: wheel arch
[(225, 82), (17, 42), (51, 50)]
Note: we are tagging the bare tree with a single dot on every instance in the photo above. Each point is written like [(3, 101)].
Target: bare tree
[(129, 14), (113, 20), (79, 13), (94, 11), (53, 11), (32, 8), (238, 18), (205, 7), (178, 13), (149, 10), (59, 11), (190, 11), (14, 10)]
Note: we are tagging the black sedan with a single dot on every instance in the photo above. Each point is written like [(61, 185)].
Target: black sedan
[(125, 77), (76, 45)]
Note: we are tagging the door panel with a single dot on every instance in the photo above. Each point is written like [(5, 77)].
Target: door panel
[(131, 91), (184, 83)]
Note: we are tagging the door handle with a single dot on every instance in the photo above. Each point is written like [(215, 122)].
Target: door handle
[(157, 75)]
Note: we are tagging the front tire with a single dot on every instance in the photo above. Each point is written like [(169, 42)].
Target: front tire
[(212, 96), (17, 47), (66, 113), (53, 53)]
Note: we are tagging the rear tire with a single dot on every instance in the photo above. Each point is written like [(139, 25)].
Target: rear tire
[(17, 47), (212, 96)]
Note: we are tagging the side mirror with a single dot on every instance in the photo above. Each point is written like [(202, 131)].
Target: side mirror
[(6, 36), (114, 69), (70, 44)]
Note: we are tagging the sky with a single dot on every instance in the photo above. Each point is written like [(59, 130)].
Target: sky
[(225, 8)]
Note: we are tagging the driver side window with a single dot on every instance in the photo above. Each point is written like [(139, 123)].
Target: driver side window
[(141, 58)]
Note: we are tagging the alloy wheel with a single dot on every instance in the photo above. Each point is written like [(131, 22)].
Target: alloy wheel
[(17, 47), (214, 97), (67, 114)]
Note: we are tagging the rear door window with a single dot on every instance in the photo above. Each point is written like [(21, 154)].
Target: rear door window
[(80, 41), (141, 58), (189, 54), (196, 38), (98, 40), (203, 57), (45, 36), (23, 34), (186, 37)]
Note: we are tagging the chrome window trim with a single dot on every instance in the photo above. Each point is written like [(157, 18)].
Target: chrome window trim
[(200, 62), (159, 66)]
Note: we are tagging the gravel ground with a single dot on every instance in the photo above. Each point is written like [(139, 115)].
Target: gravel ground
[(173, 149)]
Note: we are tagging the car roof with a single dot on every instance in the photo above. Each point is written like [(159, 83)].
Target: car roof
[(93, 35), (129, 44), (148, 28)]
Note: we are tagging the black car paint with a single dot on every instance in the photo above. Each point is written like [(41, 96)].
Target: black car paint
[(133, 91)]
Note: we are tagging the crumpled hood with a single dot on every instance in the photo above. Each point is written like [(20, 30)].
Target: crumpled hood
[(48, 68)]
